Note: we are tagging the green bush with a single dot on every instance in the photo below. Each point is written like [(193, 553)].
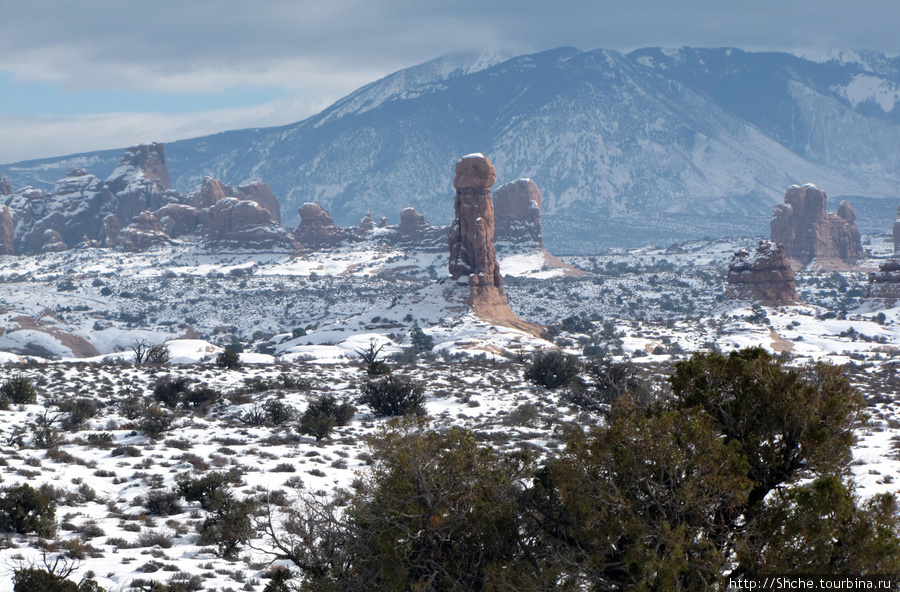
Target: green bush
[(33, 579), (162, 503), (393, 395), (169, 391), (228, 359), (17, 390), (553, 369), (323, 414), (25, 510), (155, 422)]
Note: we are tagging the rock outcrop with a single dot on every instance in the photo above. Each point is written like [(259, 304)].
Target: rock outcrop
[(212, 190), (144, 233), (5, 186), (809, 233), (762, 276), (471, 241), (884, 284), (897, 232), (178, 220), (140, 183), (316, 228), (7, 232), (241, 223), (83, 210), (517, 212)]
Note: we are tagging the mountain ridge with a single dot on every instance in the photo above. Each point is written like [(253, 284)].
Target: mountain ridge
[(705, 134)]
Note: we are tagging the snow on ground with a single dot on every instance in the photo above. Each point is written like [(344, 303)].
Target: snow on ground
[(303, 320)]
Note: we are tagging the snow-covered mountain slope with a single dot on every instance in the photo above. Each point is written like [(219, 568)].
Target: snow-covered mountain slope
[(696, 136)]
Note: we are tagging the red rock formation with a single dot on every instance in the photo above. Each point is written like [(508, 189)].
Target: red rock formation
[(243, 224), (210, 192), (763, 276), (53, 242), (5, 186), (471, 237), (145, 232), (412, 224), (366, 225), (213, 190), (111, 229), (471, 243), (178, 219), (808, 232), (897, 232), (150, 159), (517, 212), (884, 285), (262, 194), (317, 229), (139, 183), (7, 231)]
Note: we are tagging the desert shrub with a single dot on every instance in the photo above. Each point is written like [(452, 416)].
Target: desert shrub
[(17, 390), (158, 354), (169, 391), (201, 398), (102, 440), (378, 368), (393, 395), (77, 411), (553, 369), (155, 422), (229, 526), (25, 510), (210, 490), (162, 503), (323, 414), (155, 538), (421, 342), (228, 359), (34, 579), (277, 412)]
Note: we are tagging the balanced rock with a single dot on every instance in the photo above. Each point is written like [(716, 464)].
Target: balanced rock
[(808, 232), (762, 276), (471, 242), (517, 212), (471, 237)]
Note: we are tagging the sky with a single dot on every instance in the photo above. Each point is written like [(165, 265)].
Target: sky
[(106, 74)]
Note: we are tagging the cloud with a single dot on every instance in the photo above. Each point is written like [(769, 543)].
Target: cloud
[(313, 53), (33, 137)]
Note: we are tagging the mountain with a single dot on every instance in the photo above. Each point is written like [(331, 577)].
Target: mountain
[(647, 147)]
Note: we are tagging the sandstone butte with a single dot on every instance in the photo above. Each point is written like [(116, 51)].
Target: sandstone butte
[(471, 242), (809, 233)]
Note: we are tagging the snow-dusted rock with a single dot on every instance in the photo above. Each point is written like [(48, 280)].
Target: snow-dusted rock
[(762, 276)]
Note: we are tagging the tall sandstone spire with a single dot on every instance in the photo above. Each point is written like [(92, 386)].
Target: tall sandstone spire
[(471, 244)]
